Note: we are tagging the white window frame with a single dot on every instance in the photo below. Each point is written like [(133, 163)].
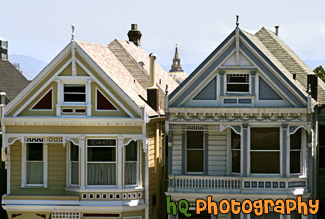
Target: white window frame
[(116, 163), (302, 150), (24, 167), (72, 102), (137, 165), (84, 80), (70, 166), (237, 92), (116, 109), (203, 149), (249, 151)]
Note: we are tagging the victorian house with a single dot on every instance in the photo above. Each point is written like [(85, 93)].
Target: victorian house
[(84, 138), (242, 125)]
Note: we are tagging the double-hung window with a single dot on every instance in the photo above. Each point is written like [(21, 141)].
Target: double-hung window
[(75, 93), (265, 150), (74, 164), (101, 162), (131, 163), (295, 152), (34, 164), (237, 83), (235, 152), (195, 152)]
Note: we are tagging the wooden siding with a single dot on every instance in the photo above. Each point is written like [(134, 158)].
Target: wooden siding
[(177, 153), (217, 158), (56, 171)]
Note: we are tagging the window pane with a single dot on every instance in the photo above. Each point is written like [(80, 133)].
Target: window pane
[(241, 78), (35, 151), (295, 140), (75, 97), (195, 140), (235, 161), (321, 157), (75, 172), (101, 174), (101, 154), (131, 173), (74, 152), (322, 135), (235, 140), (265, 162), (131, 152), (238, 87), (194, 160), (75, 88), (294, 161), (34, 172), (265, 139)]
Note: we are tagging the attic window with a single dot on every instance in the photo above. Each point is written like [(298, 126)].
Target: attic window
[(74, 93), (103, 103), (237, 82), (45, 103)]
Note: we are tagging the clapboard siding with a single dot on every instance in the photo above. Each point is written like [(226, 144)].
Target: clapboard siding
[(217, 155), (177, 152)]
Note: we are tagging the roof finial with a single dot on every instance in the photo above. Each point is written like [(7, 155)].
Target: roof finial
[(72, 34), (237, 21)]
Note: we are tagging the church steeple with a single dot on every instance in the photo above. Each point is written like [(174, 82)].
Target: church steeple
[(176, 70), (176, 66)]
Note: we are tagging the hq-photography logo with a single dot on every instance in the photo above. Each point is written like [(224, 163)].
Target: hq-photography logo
[(257, 207)]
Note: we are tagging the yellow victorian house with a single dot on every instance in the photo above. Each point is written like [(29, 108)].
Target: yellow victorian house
[(84, 138)]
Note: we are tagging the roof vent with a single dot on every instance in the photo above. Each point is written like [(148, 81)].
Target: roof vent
[(277, 30), (135, 35)]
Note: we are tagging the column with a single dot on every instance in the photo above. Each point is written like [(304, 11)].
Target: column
[(244, 150), (82, 162), (119, 163), (283, 149)]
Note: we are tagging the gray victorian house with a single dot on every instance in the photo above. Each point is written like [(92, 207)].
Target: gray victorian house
[(243, 126)]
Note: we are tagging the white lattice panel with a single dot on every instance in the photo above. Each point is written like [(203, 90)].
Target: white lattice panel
[(65, 215)]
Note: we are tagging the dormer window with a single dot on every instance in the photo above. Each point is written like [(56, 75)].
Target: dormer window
[(238, 83), (75, 93)]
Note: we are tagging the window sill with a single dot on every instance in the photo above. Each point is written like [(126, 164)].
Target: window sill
[(33, 187)]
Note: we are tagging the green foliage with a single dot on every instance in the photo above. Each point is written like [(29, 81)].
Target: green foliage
[(320, 72)]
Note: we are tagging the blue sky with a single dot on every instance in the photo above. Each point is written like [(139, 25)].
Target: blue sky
[(41, 28)]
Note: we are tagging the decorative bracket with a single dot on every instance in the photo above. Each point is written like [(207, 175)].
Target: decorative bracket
[(236, 128)]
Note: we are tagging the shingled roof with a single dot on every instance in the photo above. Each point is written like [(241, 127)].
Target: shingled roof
[(136, 60), (285, 59), (12, 81), (108, 62)]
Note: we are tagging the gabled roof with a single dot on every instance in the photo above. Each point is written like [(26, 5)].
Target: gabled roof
[(278, 54), (108, 62), (12, 81), (287, 61), (137, 61)]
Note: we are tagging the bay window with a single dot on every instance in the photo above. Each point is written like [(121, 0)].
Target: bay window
[(131, 163), (101, 162), (235, 152), (195, 152), (295, 152), (74, 164), (265, 150)]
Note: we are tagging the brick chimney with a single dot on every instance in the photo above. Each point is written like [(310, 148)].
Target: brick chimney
[(135, 35), (312, 82), (3, 49), (152, 91)]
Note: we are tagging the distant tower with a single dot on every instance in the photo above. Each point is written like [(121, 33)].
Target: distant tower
[(176, 70)]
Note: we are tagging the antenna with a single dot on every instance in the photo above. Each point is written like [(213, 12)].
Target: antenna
[(237, 21), (72, 34)]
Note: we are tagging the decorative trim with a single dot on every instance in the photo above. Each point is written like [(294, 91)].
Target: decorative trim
[(194, 127), (236, 128)]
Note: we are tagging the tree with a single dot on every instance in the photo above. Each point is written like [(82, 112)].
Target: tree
[(320, 72)]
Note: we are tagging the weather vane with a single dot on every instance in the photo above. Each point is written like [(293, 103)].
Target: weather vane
[(237, 20)]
